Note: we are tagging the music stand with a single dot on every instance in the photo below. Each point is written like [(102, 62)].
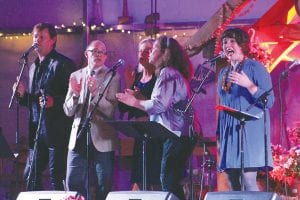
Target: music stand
[(5, 151), (242, 117), (145, 130)]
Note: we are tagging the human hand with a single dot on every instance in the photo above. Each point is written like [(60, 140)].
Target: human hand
[(75, 86), (92, 85), (126, 98), (129, 76), (21, 88), (243, 80), (46, 101), (136, 93)]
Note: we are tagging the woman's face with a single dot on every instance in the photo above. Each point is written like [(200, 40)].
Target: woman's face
[(145, 50), (144, 53), (232, 50), (156, 55)]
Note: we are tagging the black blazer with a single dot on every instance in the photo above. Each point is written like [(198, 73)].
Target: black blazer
[(55, 126)]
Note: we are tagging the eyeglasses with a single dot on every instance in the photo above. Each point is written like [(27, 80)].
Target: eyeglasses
[(96, 51)]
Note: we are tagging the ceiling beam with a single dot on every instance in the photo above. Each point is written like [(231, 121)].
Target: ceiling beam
[(214, 26)]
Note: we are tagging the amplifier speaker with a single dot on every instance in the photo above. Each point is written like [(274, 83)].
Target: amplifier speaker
[(237, 195), (141, 195), (45, 195)]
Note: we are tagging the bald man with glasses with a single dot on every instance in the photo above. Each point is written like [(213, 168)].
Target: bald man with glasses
[(83, 93)]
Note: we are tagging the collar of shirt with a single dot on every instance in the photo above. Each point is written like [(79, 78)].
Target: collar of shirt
[(98, 70)]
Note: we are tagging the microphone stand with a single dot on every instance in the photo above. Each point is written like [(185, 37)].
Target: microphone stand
[(188, 109), (31, 178), (86, 126), (264, 100), (209, 162), (12, 98)]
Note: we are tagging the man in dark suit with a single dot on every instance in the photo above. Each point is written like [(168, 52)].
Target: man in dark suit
[(48, 85), (85, 87)]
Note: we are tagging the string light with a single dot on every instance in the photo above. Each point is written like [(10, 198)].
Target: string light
[(78, 27), (93, 27)]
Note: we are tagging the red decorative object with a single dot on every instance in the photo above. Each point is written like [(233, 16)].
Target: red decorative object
[(286, 170), (221, 27)]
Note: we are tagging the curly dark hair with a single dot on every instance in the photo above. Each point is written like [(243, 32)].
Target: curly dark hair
[(178, 57), (241, 37)]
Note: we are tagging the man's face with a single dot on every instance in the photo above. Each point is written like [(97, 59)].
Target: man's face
[(96, 55), (44, 41)]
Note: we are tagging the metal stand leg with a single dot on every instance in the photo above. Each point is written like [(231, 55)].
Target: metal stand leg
[(242, 155), (144, 186), (88, 197)]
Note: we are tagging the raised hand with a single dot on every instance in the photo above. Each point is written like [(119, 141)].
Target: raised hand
[(75, 86), (243, 80), (129, 76), (21, 88), (92, 85)]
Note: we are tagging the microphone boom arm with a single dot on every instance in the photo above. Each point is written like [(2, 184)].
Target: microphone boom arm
[(87, 120)]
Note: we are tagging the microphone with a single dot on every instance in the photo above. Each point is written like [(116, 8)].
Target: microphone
[(92, 73), (285, 72), (118, 64), (293, 64), (220, 55), (33, 47)]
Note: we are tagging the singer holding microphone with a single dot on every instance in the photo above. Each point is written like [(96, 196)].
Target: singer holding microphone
[(240, 84), (48, 85), (85, 85)]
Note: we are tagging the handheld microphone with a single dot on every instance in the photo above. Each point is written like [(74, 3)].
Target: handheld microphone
[(33, 47), (117, 65), (220, 55)]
